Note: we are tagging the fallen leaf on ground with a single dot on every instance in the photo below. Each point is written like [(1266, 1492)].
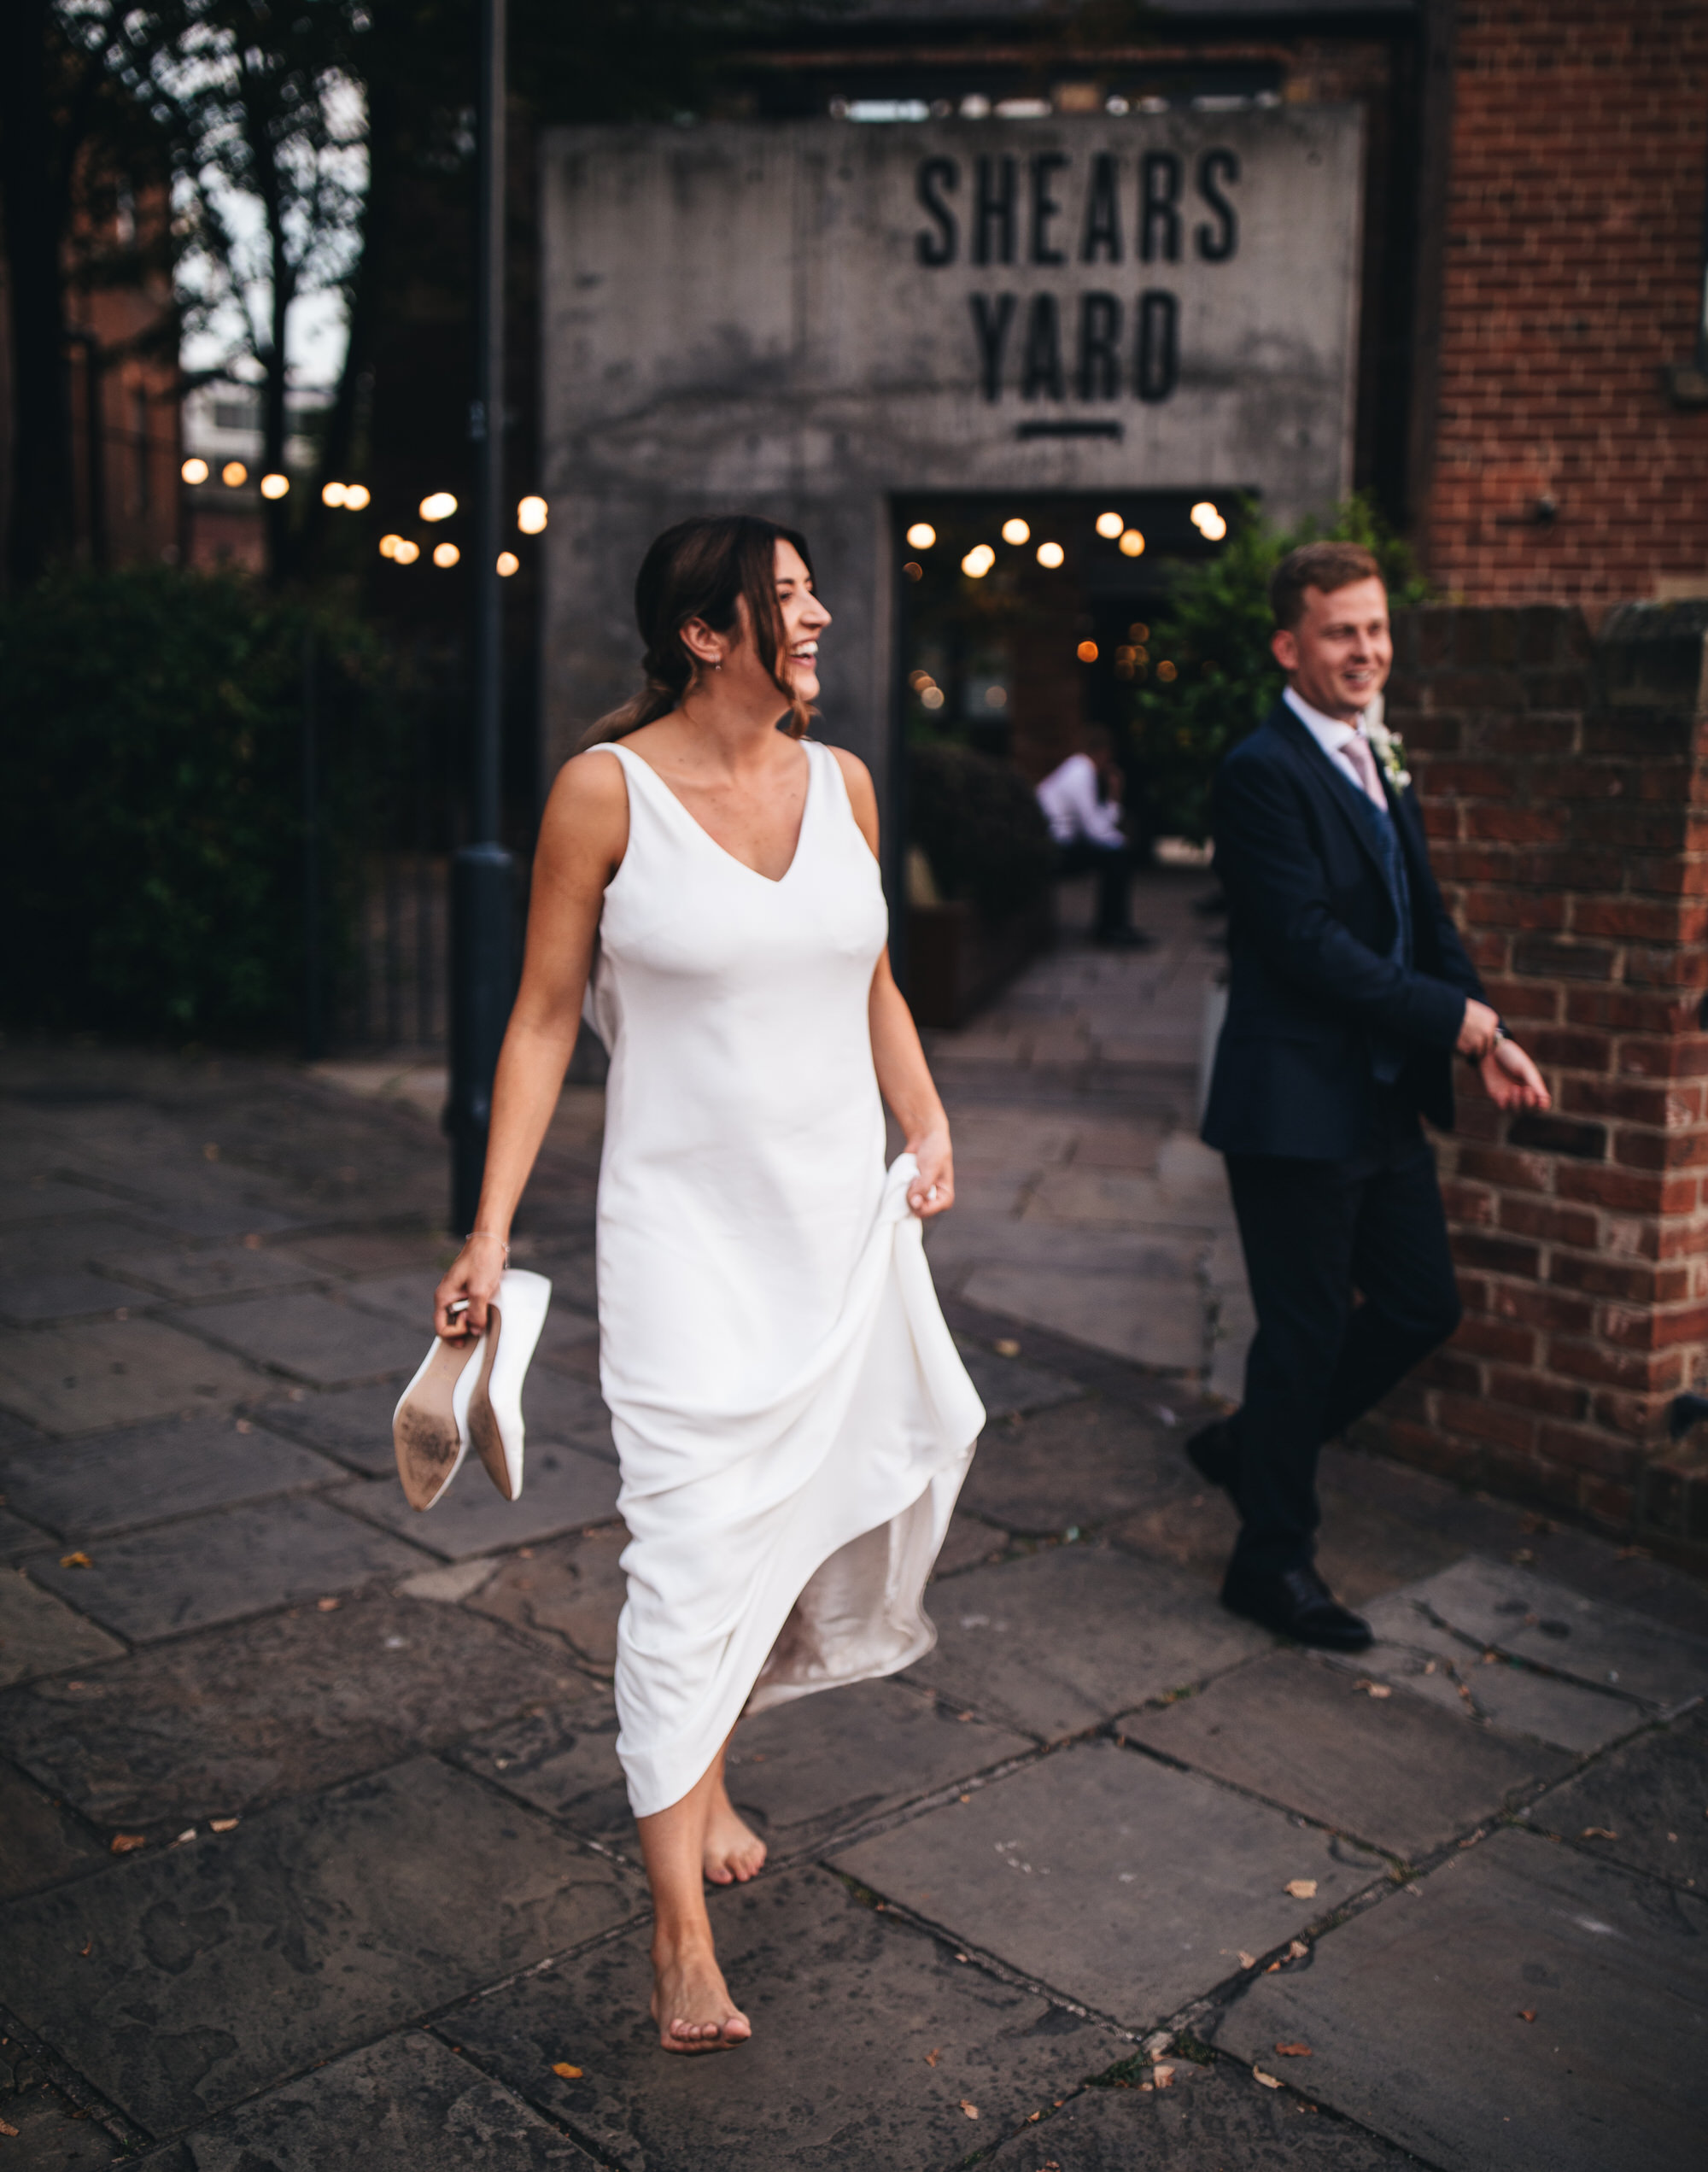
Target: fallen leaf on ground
[(1247, 1960), (127, 1843), (1294, 2051), (1302, 1889), (1163, 2076), (565, 2072), (1271, 1969), (222, 1824), (1005, 1346), (189, 1833), (1376, 1688), (932, 2057), (327, 1606), (971, 2110), (1268, 2079), (1297, 1950), (85, 1949), (1527, 2013), (75, 1561), (1597, 1832), (6, 2129)]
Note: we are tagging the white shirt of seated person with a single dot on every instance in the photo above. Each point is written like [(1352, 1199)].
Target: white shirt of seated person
[(1068, 796)]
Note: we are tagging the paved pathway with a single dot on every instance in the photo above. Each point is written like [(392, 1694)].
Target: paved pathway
[(312, 1848)]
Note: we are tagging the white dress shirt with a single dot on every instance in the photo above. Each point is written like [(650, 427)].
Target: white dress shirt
[(1068, 796), (1331, 736)]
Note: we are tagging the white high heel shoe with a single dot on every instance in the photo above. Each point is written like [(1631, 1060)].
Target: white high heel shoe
[(514, 1319), (430, 1427)]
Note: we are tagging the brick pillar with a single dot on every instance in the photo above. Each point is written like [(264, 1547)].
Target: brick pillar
[(1565, 785)]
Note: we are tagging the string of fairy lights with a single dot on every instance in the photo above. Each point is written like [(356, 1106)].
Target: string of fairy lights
[(532, 512)]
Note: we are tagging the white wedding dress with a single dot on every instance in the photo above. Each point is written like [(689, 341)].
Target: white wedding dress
[(791, 1417)]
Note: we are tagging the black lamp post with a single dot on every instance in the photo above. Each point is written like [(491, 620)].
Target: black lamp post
[(482, 873)]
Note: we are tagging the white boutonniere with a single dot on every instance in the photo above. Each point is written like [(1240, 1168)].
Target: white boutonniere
[(1390, 752)]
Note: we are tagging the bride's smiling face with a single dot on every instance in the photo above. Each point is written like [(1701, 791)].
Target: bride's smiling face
[(805, 618)]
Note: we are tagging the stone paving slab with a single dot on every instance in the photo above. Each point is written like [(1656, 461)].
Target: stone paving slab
[(1135, 1296), (406, 2105), (310, 1929), (40, 1634), (184, 1271), (215, 1725), (1121, 1883), (968, 1544), (570, 1588), (1414, 2014), (1651, 1795), (107, 1482), (99, 1374), (70, 1293), (1074, 1467), (562, 1490), (1008, 1386), (1068, 1639), (834, 2077), (561, 1406), (225, 1565), (1516, 1612), (561, 1760), (311, 1336), (1209, 2119), (39, 1842), (352, 1425), (1390, 1772), (49, 2136), (18, 1538), (47, 1198)]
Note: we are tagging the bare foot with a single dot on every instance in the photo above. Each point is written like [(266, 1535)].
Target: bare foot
[(692, 2003), (734, 1852)]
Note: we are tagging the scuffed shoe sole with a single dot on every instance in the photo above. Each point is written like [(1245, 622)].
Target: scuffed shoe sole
[(429, 1441)]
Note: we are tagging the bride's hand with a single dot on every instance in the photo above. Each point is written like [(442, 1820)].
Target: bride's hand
[(470, 1281), (933, 1191)]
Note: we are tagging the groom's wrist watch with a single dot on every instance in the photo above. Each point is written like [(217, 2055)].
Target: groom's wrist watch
[(1501, 1035)]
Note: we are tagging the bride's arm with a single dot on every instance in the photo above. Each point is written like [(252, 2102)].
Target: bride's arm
[(582, 842), (904, 1076)]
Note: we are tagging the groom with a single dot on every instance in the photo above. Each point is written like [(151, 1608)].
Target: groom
[(1349, 993)]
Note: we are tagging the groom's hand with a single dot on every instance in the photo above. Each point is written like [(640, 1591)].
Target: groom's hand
[(1477, 1030), (1510, 1079)]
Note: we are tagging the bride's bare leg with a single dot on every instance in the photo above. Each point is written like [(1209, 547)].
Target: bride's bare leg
[(734, 1852), (691, 2002)]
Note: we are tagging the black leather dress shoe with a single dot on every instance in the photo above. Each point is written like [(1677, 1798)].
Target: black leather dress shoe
[(1213, 1453), (1296, 1603)]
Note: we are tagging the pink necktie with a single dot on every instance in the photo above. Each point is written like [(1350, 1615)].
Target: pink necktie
[(1357, 751)]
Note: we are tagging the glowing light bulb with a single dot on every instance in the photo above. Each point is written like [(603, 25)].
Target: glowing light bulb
[(194, 471), (1132, 544), (508, 563), (234, 475), (446, 554), (531, 516), (275, 486), (356, 495), (921, 535), (390, 546), (1087, 652), (1050, 554), (405, 552), (332, 494), (1015, 532), (978, 561), (1110, 524), (439, 505)]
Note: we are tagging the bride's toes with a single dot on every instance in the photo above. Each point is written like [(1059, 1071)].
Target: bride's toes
[(701, 2015), (734, 1852)]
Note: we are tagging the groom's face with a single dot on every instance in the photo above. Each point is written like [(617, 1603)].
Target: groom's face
[(1339, 654)]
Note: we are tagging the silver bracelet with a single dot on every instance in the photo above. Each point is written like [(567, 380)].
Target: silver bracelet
[(493, 1236)]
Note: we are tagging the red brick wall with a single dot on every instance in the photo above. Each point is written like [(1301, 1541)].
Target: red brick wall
[(1564, 784), (1578, 170)]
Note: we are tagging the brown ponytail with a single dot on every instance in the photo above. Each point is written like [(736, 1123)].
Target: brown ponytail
[(700, 568)]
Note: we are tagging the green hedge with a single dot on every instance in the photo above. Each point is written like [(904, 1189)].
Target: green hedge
[(980, 828), (152, 826)]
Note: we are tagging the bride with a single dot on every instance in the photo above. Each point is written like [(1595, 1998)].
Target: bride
[(792, 1419)]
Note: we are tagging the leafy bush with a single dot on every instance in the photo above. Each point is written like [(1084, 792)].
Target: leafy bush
[(1214, 633), (152, 826), (981, 830)]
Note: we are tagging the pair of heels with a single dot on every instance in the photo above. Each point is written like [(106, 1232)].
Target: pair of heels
[(469, 1394)]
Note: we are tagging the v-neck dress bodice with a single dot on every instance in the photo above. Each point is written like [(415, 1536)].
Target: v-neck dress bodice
[(790, 1415)]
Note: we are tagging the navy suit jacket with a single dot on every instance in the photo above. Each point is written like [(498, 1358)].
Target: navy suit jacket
[(1312, 930)]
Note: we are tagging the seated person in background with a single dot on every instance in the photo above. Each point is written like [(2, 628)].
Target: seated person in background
[(1081, 799)]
